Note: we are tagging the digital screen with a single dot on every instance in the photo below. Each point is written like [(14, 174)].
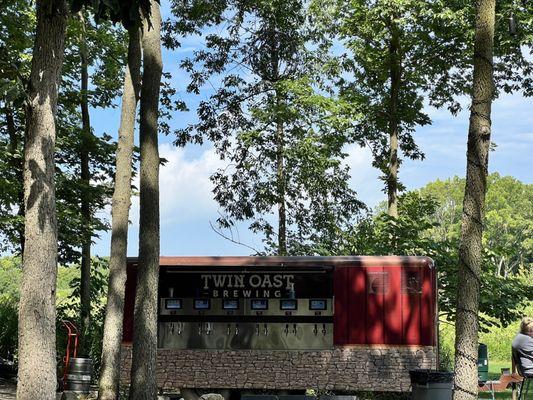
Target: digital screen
[(318, 304), (201, 304), (260, 304), (289, 304), (230, 304), (173, 304)]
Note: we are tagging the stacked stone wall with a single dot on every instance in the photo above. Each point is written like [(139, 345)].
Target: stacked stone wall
[(358, 368)]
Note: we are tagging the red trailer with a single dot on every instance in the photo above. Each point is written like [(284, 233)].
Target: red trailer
[(284, 323)]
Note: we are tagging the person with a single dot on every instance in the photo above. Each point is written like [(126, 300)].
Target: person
[(523, 347)]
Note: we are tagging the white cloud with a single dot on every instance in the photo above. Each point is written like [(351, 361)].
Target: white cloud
[(184, 185), (364, 178)]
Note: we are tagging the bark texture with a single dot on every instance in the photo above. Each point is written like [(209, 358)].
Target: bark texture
[(111, 346), (85, 279), (37, 309), (395, 77), (470, 247), (280, 176), (143, 371)]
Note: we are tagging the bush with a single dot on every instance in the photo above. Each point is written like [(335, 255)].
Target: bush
[(8, 328)]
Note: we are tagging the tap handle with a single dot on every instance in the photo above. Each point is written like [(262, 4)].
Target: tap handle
[(236, 329), (324, 330), (315, 330), (265, 331), (294, 330)]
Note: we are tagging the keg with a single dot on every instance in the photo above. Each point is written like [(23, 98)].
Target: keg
[(79, 375)]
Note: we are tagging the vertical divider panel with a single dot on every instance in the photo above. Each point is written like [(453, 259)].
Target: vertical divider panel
[(129, 302), (357, 306), (427, 313), (392, 321), (411, 293), (340, 317), (376, 283)]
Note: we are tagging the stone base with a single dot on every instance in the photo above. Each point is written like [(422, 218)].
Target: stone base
[(356, 368)]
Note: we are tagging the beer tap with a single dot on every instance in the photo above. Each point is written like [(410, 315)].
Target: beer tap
[(208, 328), (180, 327), (228, 331), (286, 330), (171, 328), (265, 330), (315, 330), (236, 329), (324, 330), (257, 329), (294, 329), (200, 329)]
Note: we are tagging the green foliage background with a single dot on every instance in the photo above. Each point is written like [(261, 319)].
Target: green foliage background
[(68, 283)]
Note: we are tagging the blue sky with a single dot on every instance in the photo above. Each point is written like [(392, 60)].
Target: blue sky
[(186, 200)]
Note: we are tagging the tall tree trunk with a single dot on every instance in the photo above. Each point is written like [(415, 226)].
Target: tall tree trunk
[(395, 77), (470, 247), (280, 177), (143, 380), (17, 165), (85, 281), (109, 373), (37, 306)]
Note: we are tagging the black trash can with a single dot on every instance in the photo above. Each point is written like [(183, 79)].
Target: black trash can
[(428, 384), (482, 363)]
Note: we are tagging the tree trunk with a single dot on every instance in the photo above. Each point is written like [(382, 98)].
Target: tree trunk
[(143, 379), (282, 213), (395, 77), (37, 308), (109, 373), (85, 281), (470, 247)]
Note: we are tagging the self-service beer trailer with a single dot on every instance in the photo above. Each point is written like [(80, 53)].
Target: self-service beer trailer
[(292, 322)]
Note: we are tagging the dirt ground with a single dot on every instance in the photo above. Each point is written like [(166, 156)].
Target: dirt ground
[(8, 389)]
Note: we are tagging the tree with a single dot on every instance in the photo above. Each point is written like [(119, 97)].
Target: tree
[(143, 380), (277, 130), (109, 374), (470, 245), (37, 312), (394, 53), (102, 49)]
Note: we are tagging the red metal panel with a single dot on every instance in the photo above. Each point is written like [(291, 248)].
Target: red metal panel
[(427, 308), (412, 279), (376, 285), (356, 306), (129, 303), (392, 325), (340, 319)]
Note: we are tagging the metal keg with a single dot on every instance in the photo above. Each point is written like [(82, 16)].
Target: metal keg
[(79, 375)]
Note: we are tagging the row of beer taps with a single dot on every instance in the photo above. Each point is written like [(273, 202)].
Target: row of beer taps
[(207, 329)]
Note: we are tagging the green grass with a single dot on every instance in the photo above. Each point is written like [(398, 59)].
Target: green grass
[(494, 373)]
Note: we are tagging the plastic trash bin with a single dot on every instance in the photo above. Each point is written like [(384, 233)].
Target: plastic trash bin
[(482, 363), (431, 385)]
